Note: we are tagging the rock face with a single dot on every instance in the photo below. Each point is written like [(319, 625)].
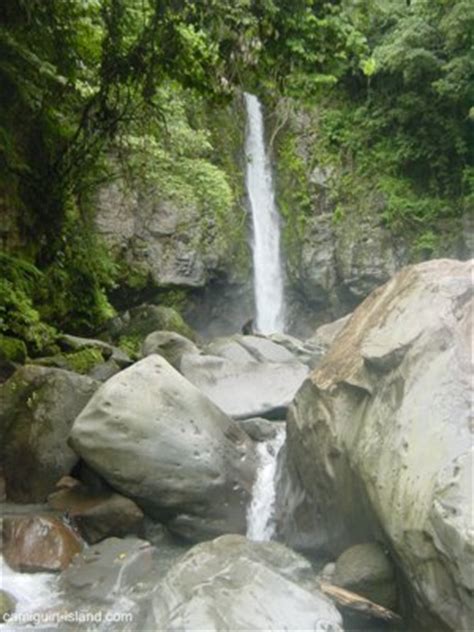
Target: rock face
[(154, 437), (339, 246), (171, 242), (366, 570), (380, 435), (37, 408), (234, 584), (247, 376), (39, 543)]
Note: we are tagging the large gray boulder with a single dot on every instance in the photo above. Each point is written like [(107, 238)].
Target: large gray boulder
[(234, 584), (37, 408), (380, 435), (247, 376), (156, 438)]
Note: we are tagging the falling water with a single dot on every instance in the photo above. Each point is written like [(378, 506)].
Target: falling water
[(268, 275), (260, 523)]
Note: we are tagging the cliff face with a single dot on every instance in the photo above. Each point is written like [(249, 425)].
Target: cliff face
[(342, 234), (176, 222), (348, 227)]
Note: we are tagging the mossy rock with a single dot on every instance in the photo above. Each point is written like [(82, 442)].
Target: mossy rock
[(12, 349), (7, 605), (82, 361), (85, 360), (131, 345), (38, 407), (136, 324)]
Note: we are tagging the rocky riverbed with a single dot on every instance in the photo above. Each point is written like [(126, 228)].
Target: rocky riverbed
[(149, 473)]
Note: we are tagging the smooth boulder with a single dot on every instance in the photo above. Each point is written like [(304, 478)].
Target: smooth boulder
[(156, 438), (234, 584), (37, 409), (380, 436), (38, 543), (170, 345), (246, 376), (367, 570)]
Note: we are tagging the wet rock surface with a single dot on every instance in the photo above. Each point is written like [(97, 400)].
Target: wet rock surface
[(380, 435), (37, 408), (157, 439), (108, 569), (39, 543), (234, 584)]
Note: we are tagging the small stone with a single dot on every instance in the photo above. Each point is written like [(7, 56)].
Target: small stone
[(7, 605)]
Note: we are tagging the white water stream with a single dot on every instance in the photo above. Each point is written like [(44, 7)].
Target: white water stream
[(35, 593), (260, 514), (268, 271)]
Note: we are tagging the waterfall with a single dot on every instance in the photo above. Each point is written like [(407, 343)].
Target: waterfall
[(268, 273), (260, 523)]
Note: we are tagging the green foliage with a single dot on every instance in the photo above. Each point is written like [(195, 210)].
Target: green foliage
[(294, 195), (406, 208), (175, 158), (426, 244), (12, 349), (18, 316), (74, 294)]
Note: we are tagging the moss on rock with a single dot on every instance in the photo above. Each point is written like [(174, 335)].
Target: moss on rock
[(84, 360), (12, 349)]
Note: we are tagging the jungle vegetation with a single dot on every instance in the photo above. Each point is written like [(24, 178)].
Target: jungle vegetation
[(81, 79)]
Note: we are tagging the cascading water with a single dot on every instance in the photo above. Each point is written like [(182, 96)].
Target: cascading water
[(35, 594), (268, 273), (260, 523)]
